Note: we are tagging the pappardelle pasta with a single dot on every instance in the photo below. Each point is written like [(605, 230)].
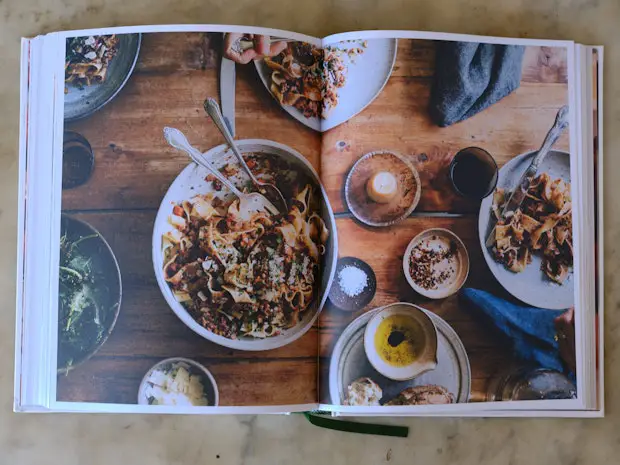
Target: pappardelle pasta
[(308, 77), (88, 58), (244, 277), (543, 224)]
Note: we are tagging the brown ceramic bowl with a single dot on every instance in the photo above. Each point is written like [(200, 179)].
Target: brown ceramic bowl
[(398, 208)]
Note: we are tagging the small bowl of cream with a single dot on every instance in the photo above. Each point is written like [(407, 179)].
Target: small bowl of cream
[(400, 341), (179, 382)]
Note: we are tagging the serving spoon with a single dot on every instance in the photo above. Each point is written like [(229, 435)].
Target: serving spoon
[(248, 203), (269, 190)]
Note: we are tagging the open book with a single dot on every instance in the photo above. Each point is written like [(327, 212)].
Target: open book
[(222, 219)]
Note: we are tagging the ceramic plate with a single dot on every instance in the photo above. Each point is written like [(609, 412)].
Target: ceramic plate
[(191, 182), (399, 207), (349, 363), (366, 76), (531, 286), (107, 286), (80, 103)]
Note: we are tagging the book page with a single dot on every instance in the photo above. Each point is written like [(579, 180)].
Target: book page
[(445, 299), (597, 123), (175, 293)]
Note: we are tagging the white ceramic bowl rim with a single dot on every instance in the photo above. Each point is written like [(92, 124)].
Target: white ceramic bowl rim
[(406, 372), (249, 344)]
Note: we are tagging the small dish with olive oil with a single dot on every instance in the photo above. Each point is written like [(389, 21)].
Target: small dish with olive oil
[(401, 342)]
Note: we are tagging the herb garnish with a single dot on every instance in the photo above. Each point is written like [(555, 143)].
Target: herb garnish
[(81, 319)]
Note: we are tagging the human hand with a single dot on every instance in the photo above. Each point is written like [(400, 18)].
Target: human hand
[(565, 329), (262, 47)]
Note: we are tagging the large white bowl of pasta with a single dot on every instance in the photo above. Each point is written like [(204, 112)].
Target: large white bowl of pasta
[(247, 284)]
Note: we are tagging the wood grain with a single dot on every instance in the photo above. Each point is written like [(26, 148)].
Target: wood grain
[(134, 166), (147, 331), (488, 354), (540, 65), (398, 120), (245, 382)]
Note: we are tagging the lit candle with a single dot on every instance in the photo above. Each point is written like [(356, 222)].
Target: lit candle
[(382, 187)]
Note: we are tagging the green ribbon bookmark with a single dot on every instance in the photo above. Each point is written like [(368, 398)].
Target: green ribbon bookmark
[(320, 419)]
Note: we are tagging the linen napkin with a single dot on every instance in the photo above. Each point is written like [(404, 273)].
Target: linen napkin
[(470, 77), (530, 329)]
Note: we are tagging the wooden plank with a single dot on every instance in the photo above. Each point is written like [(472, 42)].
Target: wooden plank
[(398, 120), (146, 319), (485, 366), (147, 330), (243, 382), (383, 250), (416, 58), (176, 72), (545, 64)]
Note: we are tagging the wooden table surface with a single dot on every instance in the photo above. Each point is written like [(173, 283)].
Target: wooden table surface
[(134, 167), (398, 120)]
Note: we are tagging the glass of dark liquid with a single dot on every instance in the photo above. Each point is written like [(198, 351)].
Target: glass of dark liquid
[(473, 173), (78, 160)]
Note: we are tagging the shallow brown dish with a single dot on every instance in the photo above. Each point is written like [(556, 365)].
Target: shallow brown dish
[(397, 209), (461, 263)]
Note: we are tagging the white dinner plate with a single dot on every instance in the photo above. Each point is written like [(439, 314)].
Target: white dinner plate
[(532, 285), (367, 74)]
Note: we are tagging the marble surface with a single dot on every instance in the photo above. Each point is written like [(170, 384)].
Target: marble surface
[(99, 439)]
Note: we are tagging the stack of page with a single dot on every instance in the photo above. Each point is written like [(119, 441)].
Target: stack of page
[(225, 219)]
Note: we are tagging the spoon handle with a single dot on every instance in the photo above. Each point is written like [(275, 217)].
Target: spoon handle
[(213, 110), (178, 140), (197, 158)]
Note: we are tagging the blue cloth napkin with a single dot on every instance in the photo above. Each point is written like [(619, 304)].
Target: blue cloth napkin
[(470, 77), (531, 330)]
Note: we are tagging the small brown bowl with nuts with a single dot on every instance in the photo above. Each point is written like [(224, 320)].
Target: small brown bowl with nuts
[(436, 263)]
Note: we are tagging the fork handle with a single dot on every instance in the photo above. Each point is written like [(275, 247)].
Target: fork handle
[(197, 157), (213, 110)]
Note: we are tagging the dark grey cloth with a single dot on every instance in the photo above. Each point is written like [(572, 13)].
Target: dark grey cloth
[(470, 77)]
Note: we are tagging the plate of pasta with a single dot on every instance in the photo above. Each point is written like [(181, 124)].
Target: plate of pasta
[(248, 283), (532, 251), (323, 88), (97, 67)]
